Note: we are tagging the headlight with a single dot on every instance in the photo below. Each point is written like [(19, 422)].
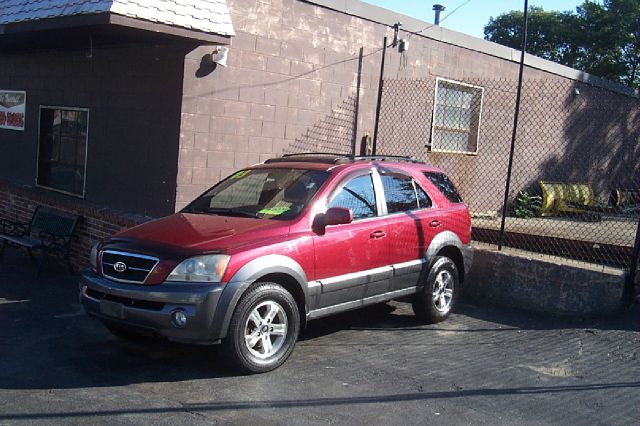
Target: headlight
[(93, 257), (208, 268)]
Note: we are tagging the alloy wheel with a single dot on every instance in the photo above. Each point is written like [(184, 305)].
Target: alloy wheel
[(443, 291), (265, 330)]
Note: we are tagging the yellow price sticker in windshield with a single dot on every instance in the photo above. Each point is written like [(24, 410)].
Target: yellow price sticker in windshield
[(240, 174), (274, 211)]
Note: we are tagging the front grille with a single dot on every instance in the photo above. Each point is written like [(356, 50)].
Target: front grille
[(127, 267), (134, 303)]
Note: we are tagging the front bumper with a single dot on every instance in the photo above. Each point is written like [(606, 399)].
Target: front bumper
[(148, 308)]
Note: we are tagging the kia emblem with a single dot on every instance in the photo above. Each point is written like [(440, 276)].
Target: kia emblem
[(120, 266)]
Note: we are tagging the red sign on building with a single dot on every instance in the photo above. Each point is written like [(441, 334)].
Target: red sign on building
[(12, 109)]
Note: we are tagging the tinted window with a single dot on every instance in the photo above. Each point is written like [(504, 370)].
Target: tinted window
[(62, 150), (402, 193), (442, 182), (423, 199), (359, 196)]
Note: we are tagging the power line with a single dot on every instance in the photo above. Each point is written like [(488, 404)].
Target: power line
[(454, 10), (412, 33)]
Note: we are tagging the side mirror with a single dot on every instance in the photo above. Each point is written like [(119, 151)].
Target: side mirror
[(333, 216), (337, 216)]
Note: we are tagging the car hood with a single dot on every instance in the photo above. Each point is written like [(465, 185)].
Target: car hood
[(203, 232)]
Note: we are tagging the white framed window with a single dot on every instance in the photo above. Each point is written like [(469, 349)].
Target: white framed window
[(62, 149), (457, 110)]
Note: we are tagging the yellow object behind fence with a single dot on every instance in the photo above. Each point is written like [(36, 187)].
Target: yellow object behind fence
[(559, 197)]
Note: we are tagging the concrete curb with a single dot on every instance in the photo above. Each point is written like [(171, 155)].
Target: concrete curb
[(543, 284)]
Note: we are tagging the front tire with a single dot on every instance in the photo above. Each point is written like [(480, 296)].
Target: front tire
[(438, 297), (263, 330)]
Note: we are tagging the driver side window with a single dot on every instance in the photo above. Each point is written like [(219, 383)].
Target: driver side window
[(359, 196)]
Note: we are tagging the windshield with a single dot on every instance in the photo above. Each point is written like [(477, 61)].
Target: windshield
[(261, 193)]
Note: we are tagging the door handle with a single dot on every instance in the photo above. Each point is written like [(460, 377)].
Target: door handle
[(435, 223), (376, 235)]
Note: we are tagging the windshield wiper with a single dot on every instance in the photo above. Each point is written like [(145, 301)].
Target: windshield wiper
[(222, 211), (230, 212), (195, 210)]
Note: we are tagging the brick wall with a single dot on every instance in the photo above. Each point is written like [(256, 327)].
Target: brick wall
[(96, 223), (290, 86), (133, 93)]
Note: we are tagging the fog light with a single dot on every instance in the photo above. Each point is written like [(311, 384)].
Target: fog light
[(178, 319)]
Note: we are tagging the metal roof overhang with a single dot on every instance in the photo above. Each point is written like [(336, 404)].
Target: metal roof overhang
[(103, 29)]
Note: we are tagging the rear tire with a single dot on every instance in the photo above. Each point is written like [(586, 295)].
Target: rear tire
[(263, 330), (438, 297)]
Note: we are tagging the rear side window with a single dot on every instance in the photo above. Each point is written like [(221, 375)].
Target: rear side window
[(402, 193), (442, 182)]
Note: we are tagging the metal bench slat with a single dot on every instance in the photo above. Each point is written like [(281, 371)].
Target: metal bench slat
[(28, 242)]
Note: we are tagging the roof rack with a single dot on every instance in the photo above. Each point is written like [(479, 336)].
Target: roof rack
[(310, 157), (338, 158), (304, 154), (403, 158)]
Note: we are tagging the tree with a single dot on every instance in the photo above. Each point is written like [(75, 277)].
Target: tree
[(601, 39), (550, 34), (610, 40)]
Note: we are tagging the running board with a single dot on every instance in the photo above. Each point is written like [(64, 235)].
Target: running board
[(355, 304)]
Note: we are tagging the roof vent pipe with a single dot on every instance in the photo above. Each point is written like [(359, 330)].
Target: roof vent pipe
[(438, 8)]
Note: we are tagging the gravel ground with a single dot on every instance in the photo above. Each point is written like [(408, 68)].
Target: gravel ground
[(485, 365)]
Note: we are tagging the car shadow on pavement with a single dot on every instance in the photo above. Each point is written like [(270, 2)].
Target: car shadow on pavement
[(379, 316)]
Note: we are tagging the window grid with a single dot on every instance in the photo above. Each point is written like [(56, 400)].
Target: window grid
[(456, 117)]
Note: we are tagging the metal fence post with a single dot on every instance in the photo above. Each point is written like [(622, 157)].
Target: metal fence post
[(354, 137), (515, 126), (379, 102), (629, 285)]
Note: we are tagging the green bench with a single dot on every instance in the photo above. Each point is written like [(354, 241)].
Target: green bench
[(49, 232)]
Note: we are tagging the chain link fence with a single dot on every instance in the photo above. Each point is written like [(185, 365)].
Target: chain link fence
[(575, 181)]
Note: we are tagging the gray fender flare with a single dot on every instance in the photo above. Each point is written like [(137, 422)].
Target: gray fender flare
[(448, 239), (443, 239), (247, 275)]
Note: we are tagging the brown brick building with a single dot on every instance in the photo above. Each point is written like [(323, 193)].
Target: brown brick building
[(127, 117)]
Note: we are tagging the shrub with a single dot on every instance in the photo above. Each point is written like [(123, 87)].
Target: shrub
[(526, 206)]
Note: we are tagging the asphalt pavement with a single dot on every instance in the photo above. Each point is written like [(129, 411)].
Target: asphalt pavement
[(485, 365)]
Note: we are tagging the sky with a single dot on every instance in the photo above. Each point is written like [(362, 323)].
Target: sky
[(471, 17)]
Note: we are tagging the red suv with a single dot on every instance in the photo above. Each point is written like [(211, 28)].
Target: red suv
[(275, 245)]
